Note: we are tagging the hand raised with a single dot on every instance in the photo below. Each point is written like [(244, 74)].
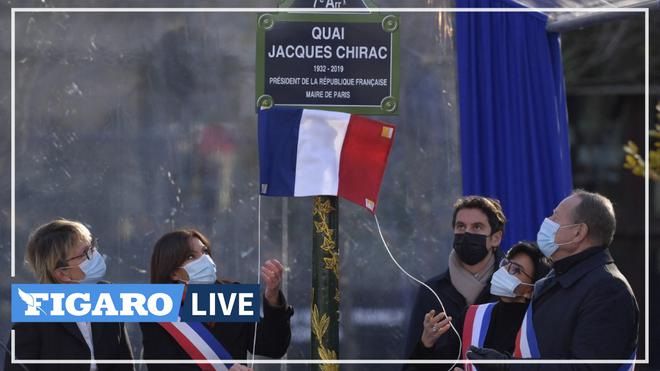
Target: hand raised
[(271, 274), (435, 325)]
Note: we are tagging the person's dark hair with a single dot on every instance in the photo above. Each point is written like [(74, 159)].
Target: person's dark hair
[(542, 265), (597, 212), (171, 251), (489, 206)]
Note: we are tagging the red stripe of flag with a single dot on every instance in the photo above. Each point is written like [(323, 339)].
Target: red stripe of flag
[(363, 159), (468, 327), (517, 352)]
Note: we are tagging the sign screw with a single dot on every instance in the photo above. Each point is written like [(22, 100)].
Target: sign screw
[(388, 104), (266, 21), (265, 101), (390, 23)]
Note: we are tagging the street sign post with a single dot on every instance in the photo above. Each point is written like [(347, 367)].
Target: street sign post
[(346, 62)]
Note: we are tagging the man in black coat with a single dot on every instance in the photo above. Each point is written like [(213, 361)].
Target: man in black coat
[(585, 308), (478, 224)]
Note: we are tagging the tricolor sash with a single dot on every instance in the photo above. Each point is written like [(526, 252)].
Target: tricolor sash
[(475, 328), (526, 344), (199, 343)]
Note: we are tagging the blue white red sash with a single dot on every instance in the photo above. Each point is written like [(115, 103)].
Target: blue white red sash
[(526, 344), (475, 328), (199, 343)]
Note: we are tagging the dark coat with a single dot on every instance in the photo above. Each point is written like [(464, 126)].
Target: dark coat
[(273, 337), (447, 346), (587, 312), (65, 341)]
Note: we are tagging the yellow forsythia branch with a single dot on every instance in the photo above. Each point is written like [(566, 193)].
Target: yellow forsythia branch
[(635, 162)]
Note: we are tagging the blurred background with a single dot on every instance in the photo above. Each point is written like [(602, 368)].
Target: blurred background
[(139, 123)]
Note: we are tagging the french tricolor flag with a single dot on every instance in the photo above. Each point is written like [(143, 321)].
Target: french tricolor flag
[(304, 152)]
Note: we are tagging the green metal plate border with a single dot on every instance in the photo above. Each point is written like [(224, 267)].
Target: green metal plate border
[(332, 17)]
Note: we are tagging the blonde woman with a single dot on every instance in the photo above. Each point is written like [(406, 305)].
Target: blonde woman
[(64, 252)]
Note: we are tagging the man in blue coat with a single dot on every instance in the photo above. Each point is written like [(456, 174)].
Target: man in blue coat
[(585, 308)]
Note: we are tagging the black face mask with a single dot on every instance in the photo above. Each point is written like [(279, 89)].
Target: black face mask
[(470, 248)]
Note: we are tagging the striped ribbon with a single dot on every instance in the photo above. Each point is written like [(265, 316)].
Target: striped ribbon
[(475, 328), (199, 343)]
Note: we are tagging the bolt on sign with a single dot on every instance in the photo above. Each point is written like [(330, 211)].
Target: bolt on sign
[(343, 62)]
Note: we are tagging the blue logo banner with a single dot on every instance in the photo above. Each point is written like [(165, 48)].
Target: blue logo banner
[(221, 303), (95, 303)]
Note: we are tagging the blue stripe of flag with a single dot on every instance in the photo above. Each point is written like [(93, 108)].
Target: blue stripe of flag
[(531, 334), (629, 366), (485, 323), (278, 150)]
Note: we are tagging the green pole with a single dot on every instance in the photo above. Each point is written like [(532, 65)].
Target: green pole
[(325, 282), (325, 278), (325, 271)]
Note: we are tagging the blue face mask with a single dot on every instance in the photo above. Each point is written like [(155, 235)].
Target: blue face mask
[(545, 238), (201, 270), (93, 268)]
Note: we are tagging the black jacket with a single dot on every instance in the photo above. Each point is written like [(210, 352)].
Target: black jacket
[(505, 322), (273, 337), (65, 341), (447, 346), (585, 311)]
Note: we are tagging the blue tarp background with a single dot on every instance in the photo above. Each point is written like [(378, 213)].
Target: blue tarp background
[(513, 120)]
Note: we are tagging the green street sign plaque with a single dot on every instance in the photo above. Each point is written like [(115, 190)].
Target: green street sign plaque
[(343, 62)]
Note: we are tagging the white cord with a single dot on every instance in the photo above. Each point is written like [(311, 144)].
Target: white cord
[(460, 342), (254, 339)]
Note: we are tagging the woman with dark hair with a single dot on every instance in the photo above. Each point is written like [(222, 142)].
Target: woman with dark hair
[(513, 283), (184, 256)]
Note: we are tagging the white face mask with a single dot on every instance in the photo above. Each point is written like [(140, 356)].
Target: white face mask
[(504, 284), (201, 270), (545, 238), (93, 268)]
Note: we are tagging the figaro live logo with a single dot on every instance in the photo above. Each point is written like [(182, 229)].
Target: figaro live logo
[(134, 303)]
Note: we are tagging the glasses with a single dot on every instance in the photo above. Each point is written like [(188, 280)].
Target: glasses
[(514, 268), (88, 252)]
